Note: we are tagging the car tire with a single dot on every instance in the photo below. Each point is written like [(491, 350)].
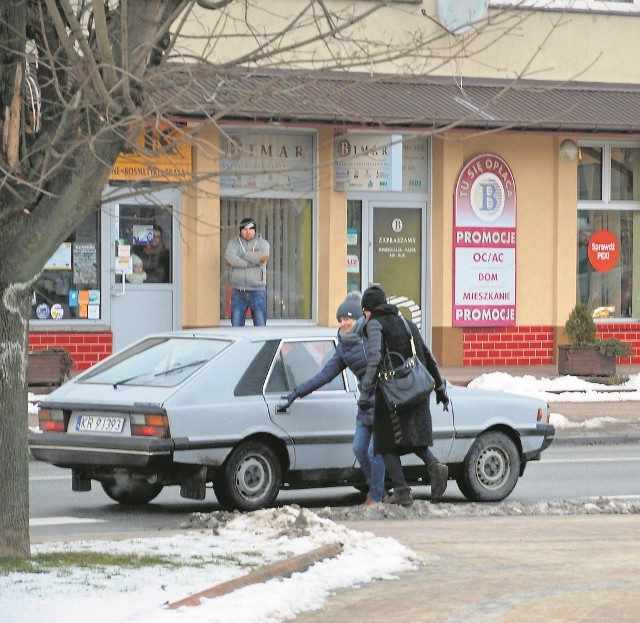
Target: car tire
[(491, 468), (131, 491), (250, 478)]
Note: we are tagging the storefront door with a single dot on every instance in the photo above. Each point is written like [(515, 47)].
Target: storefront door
[(145, 258), (387, 246)]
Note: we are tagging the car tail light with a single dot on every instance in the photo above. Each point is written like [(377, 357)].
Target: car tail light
[(51, 421), (149, 425), (544, 415)]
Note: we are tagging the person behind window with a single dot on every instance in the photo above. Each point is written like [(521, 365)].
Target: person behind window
[(247, 255), (411, 432), (351, 353), (138, 275), (156, 259)]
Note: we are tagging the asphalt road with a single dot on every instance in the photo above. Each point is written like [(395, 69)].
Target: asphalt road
[(566, 471)]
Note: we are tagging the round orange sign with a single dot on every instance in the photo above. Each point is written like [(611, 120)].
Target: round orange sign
[(604, 250)]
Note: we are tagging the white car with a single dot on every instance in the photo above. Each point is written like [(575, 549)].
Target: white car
[(190, 408)]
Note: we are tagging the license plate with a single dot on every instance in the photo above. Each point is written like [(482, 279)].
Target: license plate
[(99, 424)]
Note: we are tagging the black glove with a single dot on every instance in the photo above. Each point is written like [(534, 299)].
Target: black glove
[(365, 403), (441, 397), (289, 398)]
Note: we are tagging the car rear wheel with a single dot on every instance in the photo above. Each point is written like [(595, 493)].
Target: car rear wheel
[(131, 491), (250, 478), (491, 468)]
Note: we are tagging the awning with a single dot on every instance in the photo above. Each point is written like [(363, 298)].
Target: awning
[(357, 99)]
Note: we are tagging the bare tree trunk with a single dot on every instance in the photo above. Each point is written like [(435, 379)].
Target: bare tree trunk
[(14, 454)]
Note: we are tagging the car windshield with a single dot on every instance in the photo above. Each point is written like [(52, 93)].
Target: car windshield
[(156, 362)]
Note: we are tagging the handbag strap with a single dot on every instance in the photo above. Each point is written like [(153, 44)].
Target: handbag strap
[(406, 326), (388, 352)]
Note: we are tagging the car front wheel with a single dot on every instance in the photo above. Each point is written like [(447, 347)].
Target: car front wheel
[(131, 491), (491, 468), (250, 478)]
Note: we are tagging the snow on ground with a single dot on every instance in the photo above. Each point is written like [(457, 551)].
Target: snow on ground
[(207, 557), (560, 389)]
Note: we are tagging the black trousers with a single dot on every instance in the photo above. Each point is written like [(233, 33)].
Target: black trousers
[(393, 464)]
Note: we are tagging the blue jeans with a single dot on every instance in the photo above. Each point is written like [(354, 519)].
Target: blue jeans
[(371, 465), (242, 300)]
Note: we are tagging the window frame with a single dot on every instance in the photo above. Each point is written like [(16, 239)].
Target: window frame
[(605, 203), (91, 324), (310, 194), (576, 6)]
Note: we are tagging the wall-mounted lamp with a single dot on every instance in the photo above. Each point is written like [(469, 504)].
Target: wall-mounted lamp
[(568, 150)]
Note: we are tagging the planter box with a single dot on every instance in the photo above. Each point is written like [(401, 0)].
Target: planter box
[(48, 367), (580, 361)]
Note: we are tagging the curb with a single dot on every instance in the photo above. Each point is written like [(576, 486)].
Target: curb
[(282, 569), (589, 440)]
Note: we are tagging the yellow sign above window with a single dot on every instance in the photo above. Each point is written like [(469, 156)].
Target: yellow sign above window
[(162, 154)]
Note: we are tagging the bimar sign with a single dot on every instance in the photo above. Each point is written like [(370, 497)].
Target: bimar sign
[(484, 244)]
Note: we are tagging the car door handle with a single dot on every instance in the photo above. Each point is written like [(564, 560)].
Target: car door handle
[(281, 409)]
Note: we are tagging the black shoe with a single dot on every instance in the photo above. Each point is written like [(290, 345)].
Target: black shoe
[(439, 475), (401, 496)]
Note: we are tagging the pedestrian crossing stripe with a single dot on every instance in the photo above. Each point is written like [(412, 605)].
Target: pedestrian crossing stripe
[(62, 521)]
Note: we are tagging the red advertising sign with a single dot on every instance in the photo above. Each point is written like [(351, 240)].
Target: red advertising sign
[(603, 250), (484, 244)]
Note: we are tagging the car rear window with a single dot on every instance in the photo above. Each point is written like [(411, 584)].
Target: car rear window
[(157, 362)]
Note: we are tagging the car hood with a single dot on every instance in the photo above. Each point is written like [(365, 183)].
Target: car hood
[(74, 393)]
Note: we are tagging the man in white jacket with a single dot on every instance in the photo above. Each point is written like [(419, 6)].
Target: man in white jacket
[(247, 255)]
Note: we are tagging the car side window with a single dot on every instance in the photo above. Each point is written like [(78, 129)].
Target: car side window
[(298, 361), (277, 382)]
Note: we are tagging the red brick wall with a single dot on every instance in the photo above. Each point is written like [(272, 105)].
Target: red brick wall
[(533, 346), (508, 346), (627, 332), (85, 348)]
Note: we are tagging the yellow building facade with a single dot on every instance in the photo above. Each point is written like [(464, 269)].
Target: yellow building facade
[(346, 130)]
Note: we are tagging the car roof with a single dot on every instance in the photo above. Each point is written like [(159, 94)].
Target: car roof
[(258, 334)]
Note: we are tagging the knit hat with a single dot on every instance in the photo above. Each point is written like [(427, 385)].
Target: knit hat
[(247, 223), (373, 297), (350, 308)]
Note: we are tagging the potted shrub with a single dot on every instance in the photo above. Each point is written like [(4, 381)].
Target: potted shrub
[(586, 355), (48, 367)]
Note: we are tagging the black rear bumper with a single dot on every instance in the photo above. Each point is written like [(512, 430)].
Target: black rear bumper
[(78, 451)]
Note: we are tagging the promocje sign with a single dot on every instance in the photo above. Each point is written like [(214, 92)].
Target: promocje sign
[(484, 244)]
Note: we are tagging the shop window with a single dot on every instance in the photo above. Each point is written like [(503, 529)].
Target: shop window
[(69, 286), (286, 224), (354, 245), (609, 230), (143, 249), (590, 174)]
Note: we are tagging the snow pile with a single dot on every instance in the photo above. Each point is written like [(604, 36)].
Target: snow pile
[(234, 545)]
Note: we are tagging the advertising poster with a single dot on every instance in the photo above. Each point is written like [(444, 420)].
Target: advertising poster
[(397, 256), (484, 244)]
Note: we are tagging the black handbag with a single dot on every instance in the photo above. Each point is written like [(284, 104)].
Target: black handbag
[(404, 382)]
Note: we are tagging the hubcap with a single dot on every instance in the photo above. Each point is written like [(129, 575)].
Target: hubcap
[(252, 477), (493, 468)]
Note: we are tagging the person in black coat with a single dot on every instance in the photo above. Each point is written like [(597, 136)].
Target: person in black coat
[(351, 353), (410, 432)]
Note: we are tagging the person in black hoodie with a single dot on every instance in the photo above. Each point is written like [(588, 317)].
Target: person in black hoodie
[(351, 353), (411, 432)]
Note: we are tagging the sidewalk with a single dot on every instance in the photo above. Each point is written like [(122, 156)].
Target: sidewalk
[(497, 569)]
